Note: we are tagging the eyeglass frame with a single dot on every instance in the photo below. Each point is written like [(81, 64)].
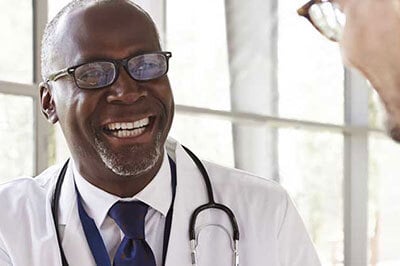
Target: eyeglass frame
[(70, 71), (304, 11)]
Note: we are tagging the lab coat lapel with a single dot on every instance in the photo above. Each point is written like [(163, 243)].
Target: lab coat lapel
[(74, 241), (190, 193)]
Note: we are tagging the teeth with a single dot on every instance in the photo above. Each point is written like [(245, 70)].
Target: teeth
[(129, 125), (141, 123), (128, 133)]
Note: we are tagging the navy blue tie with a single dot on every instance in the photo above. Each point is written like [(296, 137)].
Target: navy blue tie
[(133, 250)]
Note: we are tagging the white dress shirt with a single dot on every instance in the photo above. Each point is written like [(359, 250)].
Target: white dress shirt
[(157, 194)]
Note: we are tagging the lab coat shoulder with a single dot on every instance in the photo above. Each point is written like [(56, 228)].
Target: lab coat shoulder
[(268, 219), (251, 187), (26, 227), (271, 230)]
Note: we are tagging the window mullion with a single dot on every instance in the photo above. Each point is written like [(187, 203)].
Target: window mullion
[(253, 86), (355, 171), (41, 126)]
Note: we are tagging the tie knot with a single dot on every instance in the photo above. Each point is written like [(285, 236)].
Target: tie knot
[(130, 217)]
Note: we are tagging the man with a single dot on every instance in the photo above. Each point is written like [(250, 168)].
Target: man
[(370, 42), (105, 83)]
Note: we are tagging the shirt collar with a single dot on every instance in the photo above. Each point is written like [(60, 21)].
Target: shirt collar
[(157, 194)]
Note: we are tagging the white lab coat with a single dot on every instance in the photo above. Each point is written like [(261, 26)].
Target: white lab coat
[(271, 231)]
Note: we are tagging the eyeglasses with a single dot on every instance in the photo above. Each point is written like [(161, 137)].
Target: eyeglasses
[(103, 73), (325, 16)]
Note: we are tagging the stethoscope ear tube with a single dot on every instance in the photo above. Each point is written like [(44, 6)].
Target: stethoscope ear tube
[(211, 203), (203, 172), (54, 209)]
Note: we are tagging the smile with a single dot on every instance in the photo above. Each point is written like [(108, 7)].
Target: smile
[(127, 129)]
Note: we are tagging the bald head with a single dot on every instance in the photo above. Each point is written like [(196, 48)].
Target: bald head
[(57, 35)]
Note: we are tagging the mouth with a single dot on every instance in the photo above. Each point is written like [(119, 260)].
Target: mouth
[(128, 129)]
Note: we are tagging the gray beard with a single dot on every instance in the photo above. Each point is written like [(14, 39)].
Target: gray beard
[(123, 166)]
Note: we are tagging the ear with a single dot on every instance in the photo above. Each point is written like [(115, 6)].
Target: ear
[(47, 103)]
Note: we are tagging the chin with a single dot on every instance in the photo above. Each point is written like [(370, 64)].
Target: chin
[(130, 169), (133, 161)]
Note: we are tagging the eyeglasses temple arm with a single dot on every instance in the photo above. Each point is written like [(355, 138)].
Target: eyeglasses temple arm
[(59, 74)]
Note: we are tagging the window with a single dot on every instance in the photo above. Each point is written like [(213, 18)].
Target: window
[(311, 169), (199, 71), (17, 113), (310, 78), (218, 134), (303, 161), (287, 109), (384, 210), (310, 73), (55, 6), (16, 136), (16, 53)]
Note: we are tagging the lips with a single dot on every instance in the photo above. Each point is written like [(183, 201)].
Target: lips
[(127, 129)]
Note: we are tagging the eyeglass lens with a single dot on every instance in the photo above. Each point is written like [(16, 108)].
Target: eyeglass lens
[(328, 18), (103, 73)]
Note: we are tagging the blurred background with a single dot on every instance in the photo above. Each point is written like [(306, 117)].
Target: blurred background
[(256, 88)]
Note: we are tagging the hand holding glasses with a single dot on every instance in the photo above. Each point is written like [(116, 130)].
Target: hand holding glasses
[(325, 16), (102, 73)]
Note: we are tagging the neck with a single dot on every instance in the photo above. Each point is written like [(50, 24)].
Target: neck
[(121, 186)]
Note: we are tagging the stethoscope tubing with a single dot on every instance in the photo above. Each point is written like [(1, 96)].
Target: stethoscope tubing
[(211, 203), (192, 224), (54, 208)]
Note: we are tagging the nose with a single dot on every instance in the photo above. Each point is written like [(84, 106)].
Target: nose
[(125, 90)]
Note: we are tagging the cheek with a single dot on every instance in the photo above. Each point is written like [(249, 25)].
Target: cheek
[(167, 100), (349, 49), (170, 100), (171, 108), (356, 39), (164, 94), (75, 110)]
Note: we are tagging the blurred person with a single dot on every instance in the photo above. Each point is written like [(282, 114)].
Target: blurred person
[(369, 35), (128, 193)]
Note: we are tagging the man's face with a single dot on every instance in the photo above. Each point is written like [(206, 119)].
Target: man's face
[(90, 119), (371, 43)]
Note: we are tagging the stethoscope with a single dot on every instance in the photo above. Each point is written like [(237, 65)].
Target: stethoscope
[(193, 237)]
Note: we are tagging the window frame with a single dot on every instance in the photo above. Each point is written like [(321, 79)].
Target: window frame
[(40, 125)]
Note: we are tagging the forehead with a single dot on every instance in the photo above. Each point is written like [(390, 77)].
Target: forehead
[(110, 30)]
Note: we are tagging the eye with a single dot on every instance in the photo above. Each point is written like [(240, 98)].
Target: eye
[(90, 74), (147, 67), (95, 74)]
